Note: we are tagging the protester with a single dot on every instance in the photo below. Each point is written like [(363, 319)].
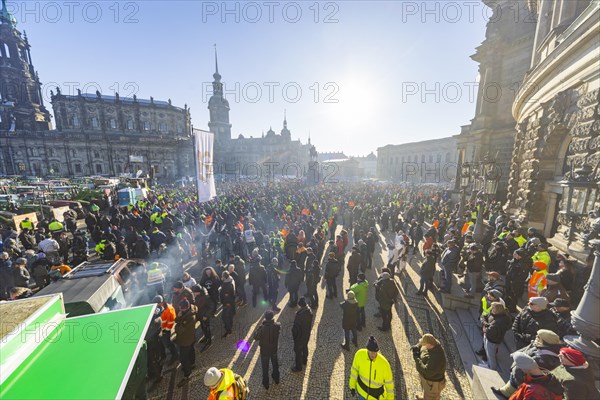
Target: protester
[(532, 318), (371, 374), (267, 335), (361, 292), (185, 334), (301, 334), (430, 360)]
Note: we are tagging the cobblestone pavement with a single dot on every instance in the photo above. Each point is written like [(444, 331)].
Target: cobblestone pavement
[(327, 373)]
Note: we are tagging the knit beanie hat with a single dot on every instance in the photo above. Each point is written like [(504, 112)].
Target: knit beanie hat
[(548, 336), (524, 362), (178, 285), (575, 356), (372, 344), (539, 301)]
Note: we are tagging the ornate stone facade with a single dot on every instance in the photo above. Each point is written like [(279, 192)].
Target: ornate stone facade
[(557, 113), (503, 58)]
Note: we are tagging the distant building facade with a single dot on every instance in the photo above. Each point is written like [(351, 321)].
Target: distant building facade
[(95, 134), (258, 157), (430, 161), (349, 167)]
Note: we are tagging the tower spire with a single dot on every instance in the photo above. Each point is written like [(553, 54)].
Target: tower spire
[(284, 119), (216, 61)]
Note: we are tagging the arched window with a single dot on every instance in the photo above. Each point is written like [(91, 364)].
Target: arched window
[(130, 125), (147, 126), (75, 121), (94, 123), (162, 127), (112, 123), (431, 158), (6, 50)]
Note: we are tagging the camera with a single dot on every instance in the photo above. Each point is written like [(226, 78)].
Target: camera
[(416, 349)]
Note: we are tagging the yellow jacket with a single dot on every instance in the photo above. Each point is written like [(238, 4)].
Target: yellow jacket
[(225, 389), (370, 377)]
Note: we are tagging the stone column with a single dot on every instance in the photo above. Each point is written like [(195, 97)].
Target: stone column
[(586, 319)]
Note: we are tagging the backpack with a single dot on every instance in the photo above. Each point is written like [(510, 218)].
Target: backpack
[(240, 389)]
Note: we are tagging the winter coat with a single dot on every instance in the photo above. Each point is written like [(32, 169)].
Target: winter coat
[(354, 263), (577, 382), (544, 387), (267, 336), (227, 293), (516, 275), (428, 268), (272, 278), (450, 258), (302, 326), (293, 279), (257, 275), (527, 323), (386, 292), (475, 262), (313, 275), (546, 355), (496, 326), (185, 326), (204, 305), (361, 291), (553, 292), (349, 315), (565, 326), (332, 269), (21, 276), (431, 363)]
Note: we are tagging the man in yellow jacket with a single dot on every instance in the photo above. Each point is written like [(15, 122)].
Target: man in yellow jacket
[(224, 385), (371, 374)]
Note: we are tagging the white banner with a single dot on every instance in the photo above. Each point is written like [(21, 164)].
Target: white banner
[(204, 165)]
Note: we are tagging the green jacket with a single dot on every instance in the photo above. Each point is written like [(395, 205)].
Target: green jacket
[(431, 364), (361, 290)]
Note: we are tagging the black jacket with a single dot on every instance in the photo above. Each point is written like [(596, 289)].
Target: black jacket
[(496, 326), (227, 294), (267, 336), (294, 278), (332, 268), (475, 262), (386, 292), (257, 276), (428, 268), (313, 275), (354, 263), (578, 383), (302, 326), (527, 323)]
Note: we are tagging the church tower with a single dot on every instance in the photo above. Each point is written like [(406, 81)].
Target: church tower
[(21, 105), (219, 110), (285, 132)]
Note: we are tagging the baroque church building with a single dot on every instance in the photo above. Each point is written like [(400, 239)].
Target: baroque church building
[(261, 157)]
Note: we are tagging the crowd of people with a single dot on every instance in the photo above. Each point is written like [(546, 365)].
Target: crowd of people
[(253, 239)]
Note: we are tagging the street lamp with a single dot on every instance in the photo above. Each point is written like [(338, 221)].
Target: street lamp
[(465, 180), (579, 197)]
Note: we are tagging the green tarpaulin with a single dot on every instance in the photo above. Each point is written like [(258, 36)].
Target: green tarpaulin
[(87, 357)]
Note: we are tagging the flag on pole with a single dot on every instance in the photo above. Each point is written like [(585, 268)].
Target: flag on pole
[(204, 165)]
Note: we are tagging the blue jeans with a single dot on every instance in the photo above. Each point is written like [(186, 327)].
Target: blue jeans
[(448, 278), (361, 317)]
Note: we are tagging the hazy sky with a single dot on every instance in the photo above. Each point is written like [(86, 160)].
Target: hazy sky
[(357, 75)]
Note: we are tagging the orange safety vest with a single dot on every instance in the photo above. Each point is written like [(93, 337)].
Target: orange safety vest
[(167, 318), (537, 283)]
